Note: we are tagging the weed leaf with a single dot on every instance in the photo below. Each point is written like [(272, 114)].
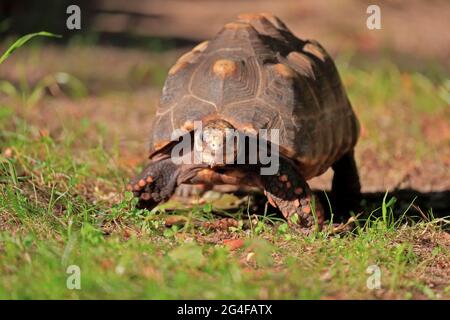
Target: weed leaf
[(22, 40)]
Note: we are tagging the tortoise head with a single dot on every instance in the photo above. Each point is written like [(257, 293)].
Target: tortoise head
[(215, 143)]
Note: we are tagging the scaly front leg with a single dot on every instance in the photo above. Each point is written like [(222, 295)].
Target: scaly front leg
[(291, 194), (156, 183)]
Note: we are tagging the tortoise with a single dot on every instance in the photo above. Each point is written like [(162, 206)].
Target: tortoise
[(255, 75)]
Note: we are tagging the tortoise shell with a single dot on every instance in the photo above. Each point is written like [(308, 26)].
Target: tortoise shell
[(256, 74)]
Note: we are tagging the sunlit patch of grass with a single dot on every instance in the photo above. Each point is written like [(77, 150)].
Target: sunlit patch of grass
[(159, 267), (391, 105), (55, 83), (385, 85), (29, 95)]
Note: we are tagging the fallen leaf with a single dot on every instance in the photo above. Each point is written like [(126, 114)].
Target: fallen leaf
[(233, 244), (44, 132), (175, 220)]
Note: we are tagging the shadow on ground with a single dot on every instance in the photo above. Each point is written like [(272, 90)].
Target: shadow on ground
[(413, 204)]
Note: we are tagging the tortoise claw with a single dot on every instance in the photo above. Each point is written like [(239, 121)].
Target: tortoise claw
[(145, 196)]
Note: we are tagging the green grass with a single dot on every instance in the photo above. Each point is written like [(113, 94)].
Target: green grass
[(141, 268), (22, 40), (62, 204)]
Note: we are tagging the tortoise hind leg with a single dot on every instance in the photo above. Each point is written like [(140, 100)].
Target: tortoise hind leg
[(346, 188), (156, 183), (291, 194)]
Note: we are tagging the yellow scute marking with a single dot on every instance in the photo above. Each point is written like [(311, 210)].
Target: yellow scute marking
[(250, 16), (237, 25), (201, 46), (284, 71), (224, 68), (315, 50), (177, 66)]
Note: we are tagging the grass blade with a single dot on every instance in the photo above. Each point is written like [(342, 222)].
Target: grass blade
[(22, 40)]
